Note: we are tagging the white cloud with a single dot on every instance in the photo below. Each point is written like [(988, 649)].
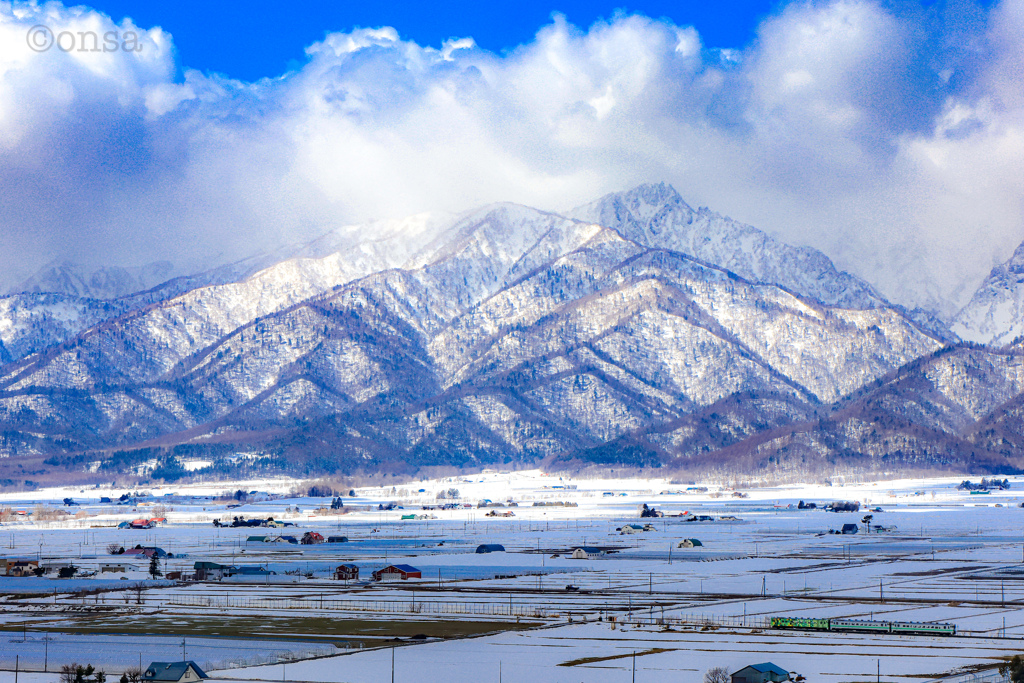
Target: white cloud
[(890, 139)]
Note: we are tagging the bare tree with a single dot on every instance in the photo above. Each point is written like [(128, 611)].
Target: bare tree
[(76, 673), (717, 674), (132, 675), (113, 549)]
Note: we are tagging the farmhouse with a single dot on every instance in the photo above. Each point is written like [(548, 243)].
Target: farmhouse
[(586, 552), (761, 673), (346, 572), (210, 571), (21, 567), (394, 572), (174, 672)]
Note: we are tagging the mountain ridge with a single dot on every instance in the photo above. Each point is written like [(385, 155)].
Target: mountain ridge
[(506, 334)]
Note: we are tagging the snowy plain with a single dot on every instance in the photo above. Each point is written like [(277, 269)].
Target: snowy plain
[(941, 555)]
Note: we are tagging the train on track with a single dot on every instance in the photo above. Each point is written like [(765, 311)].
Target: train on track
[(913, 628)]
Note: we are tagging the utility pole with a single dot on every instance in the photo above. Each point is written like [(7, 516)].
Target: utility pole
[(880, 597), (634, 667), (392, 664)]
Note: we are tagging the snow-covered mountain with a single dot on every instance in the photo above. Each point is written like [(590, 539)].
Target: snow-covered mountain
[(655, 215), (636, 331), (995, 314), (50, 312), (105, 282)]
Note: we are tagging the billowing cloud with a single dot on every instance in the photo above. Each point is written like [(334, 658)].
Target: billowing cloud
[(891, 137)]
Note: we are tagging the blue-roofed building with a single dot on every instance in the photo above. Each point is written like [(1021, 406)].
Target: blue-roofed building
[(761, 673), (174, 672), (490, 548)]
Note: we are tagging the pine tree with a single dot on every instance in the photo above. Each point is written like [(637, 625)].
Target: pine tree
[(154, 566)]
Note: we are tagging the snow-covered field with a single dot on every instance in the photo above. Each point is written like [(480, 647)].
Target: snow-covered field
[(932, 553)]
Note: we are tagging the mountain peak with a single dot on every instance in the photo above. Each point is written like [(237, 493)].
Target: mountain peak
[(104, 282), (642, 204), (994, 313), (655, 216)]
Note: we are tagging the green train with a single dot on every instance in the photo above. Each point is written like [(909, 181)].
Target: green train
[(914, 628)]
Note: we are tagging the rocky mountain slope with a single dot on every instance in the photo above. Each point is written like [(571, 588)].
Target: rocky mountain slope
[(647, 334), (995, 314)]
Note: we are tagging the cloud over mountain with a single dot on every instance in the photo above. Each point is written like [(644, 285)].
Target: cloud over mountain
[(886, 135)]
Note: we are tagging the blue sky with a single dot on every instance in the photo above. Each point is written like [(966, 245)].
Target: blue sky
[(261, 38), (887, 133)]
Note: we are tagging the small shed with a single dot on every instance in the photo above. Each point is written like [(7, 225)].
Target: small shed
[(850, 528), (690, 543), (394, 572), (761, 673), (346, 572), (174, 672), (490, 548), (586, 552)]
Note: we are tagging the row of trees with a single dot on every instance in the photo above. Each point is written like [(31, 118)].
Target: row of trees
[(78, 673)]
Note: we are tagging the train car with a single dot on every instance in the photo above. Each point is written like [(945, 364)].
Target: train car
[(800, 623), (859, 626), (915, 628), (923, 628)]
